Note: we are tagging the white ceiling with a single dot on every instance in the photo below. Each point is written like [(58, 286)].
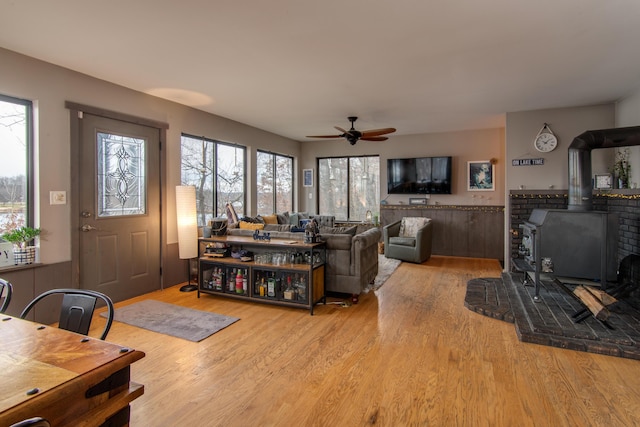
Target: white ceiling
[(300, 67)]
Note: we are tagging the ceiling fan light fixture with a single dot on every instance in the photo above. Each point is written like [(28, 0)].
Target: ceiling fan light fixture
[(352, 135)]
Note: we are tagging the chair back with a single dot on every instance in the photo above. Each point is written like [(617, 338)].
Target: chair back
[(77, 309), (6, 289)]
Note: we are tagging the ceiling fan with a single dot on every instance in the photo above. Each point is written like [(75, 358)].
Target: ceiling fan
[(353, 135)]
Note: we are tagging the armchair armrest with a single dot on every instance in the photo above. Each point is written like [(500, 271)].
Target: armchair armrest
[(424, 238), (391, 230)]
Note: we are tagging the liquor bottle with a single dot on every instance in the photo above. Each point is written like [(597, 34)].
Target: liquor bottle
[(245, 279), (263, 288), (218, 279), (271, 287), (288, 292), (231, 283), (239, 280)]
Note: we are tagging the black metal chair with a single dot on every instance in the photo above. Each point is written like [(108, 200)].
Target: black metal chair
[(7, 289), (77, 309)]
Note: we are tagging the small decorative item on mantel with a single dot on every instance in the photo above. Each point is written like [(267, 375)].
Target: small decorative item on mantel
[(622, 167), (21, 237)]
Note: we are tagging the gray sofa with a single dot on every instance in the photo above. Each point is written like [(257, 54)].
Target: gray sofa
[(352, 256)]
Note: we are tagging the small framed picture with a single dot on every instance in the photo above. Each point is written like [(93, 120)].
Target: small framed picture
[(603, 181), (417, 201), (480, 176), (307, 177)]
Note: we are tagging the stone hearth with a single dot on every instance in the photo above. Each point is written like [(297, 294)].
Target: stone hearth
[(550, 321)]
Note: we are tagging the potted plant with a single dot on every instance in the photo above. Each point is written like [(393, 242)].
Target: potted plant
[(622, 168), (21, 237)]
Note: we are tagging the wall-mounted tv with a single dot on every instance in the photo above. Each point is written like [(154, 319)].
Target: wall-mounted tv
[(420, 175)]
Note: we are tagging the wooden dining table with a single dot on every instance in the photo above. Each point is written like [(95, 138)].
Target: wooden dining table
[(64, 377)]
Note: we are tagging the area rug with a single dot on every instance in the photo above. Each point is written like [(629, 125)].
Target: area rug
[(174, 320), (386, 267)]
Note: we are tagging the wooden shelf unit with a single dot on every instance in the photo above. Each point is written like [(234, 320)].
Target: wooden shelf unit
[(296, 280)]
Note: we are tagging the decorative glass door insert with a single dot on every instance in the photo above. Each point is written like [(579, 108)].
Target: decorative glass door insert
[(121, 175)]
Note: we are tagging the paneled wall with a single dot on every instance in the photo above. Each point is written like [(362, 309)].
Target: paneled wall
[(465, 231)]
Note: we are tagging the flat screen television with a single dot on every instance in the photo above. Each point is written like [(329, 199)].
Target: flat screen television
[(419, 175)]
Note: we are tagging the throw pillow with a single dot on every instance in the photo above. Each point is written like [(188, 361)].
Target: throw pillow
[(294, 219), (270, 219), (251, 225), (232, 216), (410, 225), (283, 218)]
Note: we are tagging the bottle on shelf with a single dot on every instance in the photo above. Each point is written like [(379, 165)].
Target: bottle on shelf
[(271, 287), (288, 291), (239, 281), (218, 276), (245, 280)]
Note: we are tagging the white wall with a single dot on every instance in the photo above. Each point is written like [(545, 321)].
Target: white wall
[(50, 86), (628, 114)]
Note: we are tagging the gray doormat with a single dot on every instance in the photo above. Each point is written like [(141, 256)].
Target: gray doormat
[(174, 320)]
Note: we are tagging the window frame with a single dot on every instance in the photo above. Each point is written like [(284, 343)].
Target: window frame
[(348, 186), (216, 211), (29, 153), (274, 157)]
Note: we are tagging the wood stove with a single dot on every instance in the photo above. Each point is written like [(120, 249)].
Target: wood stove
[(579, 244)]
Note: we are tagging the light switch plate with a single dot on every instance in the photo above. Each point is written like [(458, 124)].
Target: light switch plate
[(57, 197)]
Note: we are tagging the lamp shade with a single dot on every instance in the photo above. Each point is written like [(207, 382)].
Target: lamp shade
[(186, 215)]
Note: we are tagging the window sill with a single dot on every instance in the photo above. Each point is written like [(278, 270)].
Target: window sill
[(10, 268)]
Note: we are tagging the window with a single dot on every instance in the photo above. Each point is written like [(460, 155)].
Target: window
[(349, 186), (16, 144), (209, 165), (274, 182)]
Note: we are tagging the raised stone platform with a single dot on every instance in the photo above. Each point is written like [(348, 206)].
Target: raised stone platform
[(550, 321)]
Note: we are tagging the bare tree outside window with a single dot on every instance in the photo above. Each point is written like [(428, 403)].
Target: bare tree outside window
[(209, 165), (349, 186), (274, 183), (14, 137)]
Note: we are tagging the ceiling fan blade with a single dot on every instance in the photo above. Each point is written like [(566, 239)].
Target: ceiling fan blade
[(341, 130), (324, 136), (376, 132), (373, 138)]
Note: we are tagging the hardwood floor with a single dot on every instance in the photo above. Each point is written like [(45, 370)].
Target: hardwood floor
[(408, 354)]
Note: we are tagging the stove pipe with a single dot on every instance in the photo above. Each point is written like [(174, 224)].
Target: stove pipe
[(580, 182)]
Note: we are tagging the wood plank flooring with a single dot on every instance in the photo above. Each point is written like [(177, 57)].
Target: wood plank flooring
[(409, 354)]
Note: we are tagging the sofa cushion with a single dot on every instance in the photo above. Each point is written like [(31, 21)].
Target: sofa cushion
[(270, 219), (244, 225), (410, 225), (339, 230), (283, 218), (338, 241), (403, 241), (277, 227), (294, 219)]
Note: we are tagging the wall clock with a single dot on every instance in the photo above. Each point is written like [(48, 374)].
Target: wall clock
[(545, 141)]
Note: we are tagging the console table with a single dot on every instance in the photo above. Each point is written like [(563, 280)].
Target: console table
[(281, 271), (67, 378)]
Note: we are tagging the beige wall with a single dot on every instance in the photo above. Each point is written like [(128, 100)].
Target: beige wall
[(463, 146), (50, 86), (628, 114)]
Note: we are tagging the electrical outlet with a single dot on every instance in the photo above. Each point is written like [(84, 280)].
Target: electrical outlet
[(57, 197)]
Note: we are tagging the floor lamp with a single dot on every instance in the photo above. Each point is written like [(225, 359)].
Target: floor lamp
[(187, 228)]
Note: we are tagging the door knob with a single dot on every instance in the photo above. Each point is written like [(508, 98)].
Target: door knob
[(85, 214), (88, 227)]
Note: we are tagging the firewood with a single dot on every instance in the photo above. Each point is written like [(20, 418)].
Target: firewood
[(595, 306)]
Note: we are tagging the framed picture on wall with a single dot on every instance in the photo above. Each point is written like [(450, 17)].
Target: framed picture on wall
[(307, 177), (480, 176)]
